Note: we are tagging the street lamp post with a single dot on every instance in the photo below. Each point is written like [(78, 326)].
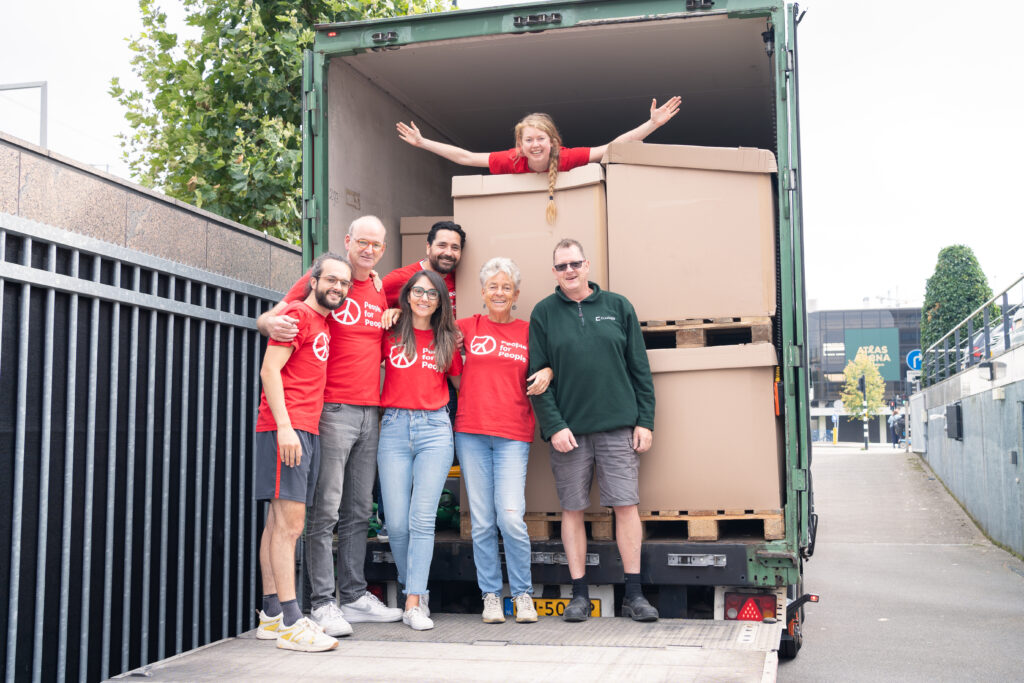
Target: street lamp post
[(862, 385), (42, 104)]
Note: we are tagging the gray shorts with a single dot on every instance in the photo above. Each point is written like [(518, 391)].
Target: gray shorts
[(274, 479), (617, 468)]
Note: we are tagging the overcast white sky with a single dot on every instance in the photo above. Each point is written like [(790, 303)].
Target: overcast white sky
[(912, 128)]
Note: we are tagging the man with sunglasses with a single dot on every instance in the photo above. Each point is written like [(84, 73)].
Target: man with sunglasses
[(598, 412), (444, 250), (348, 439)]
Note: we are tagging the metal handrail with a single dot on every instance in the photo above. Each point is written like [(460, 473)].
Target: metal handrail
[(951, 354)]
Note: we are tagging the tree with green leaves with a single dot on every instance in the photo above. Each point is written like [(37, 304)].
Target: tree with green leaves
[(956, 289), (217, 121), (851, 395)]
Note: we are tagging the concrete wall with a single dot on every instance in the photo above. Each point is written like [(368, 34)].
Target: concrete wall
[(985, 470), (52, 189)]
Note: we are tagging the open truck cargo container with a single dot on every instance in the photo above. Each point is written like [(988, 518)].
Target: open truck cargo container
[(466, 77)]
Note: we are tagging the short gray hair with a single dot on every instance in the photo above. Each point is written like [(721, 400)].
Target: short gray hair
[(568, 243), (500, 264), (364, 219)]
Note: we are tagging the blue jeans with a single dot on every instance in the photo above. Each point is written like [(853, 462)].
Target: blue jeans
[(495, 472), (414, 456)]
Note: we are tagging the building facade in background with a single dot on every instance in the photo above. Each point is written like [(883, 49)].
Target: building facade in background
[(891, 336)]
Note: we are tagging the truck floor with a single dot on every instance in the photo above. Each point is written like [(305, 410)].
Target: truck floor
[(461, 647)]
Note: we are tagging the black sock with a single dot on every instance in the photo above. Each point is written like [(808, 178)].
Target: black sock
[(632, 586), (580, 587), (271, 605), (291, 611)]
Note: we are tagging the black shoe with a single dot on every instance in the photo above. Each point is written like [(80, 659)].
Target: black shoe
[(638, 609), (578, 609)]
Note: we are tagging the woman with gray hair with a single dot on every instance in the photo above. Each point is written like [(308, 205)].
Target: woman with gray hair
[(494, 426)]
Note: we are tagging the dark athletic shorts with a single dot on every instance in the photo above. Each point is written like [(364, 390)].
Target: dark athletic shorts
[(618, 467), (274, 479)]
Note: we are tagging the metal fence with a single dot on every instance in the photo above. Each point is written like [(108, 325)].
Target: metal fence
[(994, 328), (128, 394)]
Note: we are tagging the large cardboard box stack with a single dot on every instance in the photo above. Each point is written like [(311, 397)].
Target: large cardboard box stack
[(503, 215), (414, 231), (716, 437), (691, 230)]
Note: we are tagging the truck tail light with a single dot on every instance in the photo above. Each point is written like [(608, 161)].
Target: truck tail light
[(749, 606)]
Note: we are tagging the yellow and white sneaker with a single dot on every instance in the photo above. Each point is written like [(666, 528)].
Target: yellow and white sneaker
[(269, 626), (305, 636)]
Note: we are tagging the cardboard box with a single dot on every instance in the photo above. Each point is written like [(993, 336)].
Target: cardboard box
[(716, 438), (691, 230), (414, 231), (504, 215)]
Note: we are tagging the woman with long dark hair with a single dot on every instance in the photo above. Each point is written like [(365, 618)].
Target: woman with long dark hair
[(416, 447)]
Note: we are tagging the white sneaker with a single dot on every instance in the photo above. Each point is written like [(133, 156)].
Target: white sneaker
[(304, 636), (269, 626), (416, 619), (369, 608), (331, 620), (493, 612), (526, 612)]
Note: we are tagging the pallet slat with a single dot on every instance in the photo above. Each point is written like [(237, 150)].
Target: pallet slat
[(708, 332)]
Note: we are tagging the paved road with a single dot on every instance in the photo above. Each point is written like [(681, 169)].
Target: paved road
[(910, 589)]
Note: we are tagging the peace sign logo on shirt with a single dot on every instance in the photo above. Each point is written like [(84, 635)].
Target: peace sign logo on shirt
[(398, 358), (482, 345), (321, 346), (349, 313)]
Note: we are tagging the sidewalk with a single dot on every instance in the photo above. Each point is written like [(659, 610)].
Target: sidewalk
[(910, 589)]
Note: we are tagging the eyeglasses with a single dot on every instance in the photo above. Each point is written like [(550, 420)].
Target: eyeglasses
[(332, 281), (419, 293), (363, 244), (575, 265)]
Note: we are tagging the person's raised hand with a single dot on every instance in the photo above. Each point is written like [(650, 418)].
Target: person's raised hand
[(410, 133), (661, 115)]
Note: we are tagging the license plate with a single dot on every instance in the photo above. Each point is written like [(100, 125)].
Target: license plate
[(552, 607)]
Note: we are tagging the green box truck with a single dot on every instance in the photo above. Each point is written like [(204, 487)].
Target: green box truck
[(465, 77)]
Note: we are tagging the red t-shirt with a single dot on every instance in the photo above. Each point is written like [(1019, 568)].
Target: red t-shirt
[(492, 394), (396, 279), (508, 162), (303, 375), (415, 384), (353, 375)]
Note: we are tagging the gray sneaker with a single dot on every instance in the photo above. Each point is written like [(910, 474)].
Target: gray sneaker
[(526, 612), (493, 612), (369, 608)]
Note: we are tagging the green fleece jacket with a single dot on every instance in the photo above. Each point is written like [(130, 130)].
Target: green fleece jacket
[(602, 377)]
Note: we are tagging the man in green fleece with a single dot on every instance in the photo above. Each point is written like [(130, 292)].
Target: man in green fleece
[(598, 411)]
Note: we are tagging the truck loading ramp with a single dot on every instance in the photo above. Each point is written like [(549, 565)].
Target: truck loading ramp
[(461, 648)]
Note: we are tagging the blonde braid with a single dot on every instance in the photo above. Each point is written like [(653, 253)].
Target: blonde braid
[(552, 210)]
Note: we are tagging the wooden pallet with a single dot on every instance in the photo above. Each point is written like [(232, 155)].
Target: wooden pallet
[(544, 526), (705, 525), (687, 334)]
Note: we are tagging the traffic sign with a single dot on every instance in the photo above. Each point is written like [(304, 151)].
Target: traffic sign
[(914, 359)]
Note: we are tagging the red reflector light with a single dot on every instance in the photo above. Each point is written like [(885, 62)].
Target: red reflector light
[(749, 607), (331, 34)]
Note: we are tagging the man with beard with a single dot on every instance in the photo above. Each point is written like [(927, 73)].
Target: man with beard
[(349, 434), (444, 249), (287, 450)]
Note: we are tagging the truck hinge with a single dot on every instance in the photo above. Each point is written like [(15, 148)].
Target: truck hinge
[(773, 558), (309, 215), (799, 479), (311, 109), (792, 180), (692, 5), (796, 355)]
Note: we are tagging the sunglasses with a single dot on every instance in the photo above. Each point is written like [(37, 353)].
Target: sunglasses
[(575, 265)]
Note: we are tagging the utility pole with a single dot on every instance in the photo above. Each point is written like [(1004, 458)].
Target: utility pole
[(862, 385)]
